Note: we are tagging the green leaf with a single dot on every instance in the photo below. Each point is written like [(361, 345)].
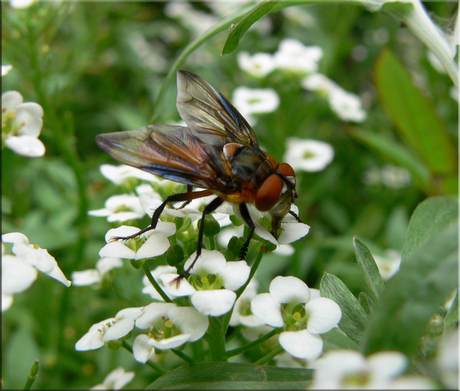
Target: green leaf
[(353, 315), (397, 154), (414, 115), (370, 270), (425, 280), (243, 25), (429, 218), (205, 376)]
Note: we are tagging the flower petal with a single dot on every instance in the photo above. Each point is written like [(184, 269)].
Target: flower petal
[(289, 289), (17, 274), (119, 329), (214, 302), (190, 321), (324, 315), (235, 274), (27, 146), (301, 344), (142, 349), (267, 309), (209, 262)]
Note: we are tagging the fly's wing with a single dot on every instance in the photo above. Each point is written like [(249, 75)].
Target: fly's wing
[(209, 115), (171, 152)]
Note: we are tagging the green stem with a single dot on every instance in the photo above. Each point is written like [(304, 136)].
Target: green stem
[(422, 26), (250, 345), (155, 284), (223, 25), (269, 356), (216, 340), (183, 356), (32, 375), (150, 363)]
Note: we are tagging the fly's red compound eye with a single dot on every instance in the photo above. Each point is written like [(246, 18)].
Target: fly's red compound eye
[(269, 192), (286, 170)]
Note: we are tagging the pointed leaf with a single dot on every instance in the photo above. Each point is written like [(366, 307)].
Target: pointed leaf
[(370, 270), (414, 115), (429, 218), (243, 25), (425, 280), (353, 315)]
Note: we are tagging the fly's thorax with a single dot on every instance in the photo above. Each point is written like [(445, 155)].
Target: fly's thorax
[(249, 164)]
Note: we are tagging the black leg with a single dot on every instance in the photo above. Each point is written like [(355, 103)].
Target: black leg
[(248, 220), (156, 215), (296, 216), (211, 207)]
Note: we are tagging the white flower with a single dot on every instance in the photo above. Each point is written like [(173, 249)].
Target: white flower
[(156, 273), (118, 174), (250, 101), (115, 380), (35, 256), (6, 69), (169, 327), (95, 276), (308, 155), (21, 3), (21, 125), (242, 310), (148, 245), (121, 207), (211, 282), (347, 106), (388, 263), (295, 56), (391, 176), (340, 369), (289, 305), (112, 330), (447, 359), (259, 64)]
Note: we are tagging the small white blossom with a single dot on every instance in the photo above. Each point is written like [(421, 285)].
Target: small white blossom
[(121, 207), (95, 276), (388, 263), (169, 327), (295, 56), (391, 176), (242, 310), (156, 273), (289, 305), (6, 69), (21, 125), (119, 174), (259, 64), (115, 380), (109, 330), (346, 105), (308, 155), (35, 256), (250, 101), (447, 359), (148, 245), (21, 3), (349, 369), (211, 282)]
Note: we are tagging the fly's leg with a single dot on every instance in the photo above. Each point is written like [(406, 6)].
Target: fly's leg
[(211, 207), (296, 216), (156, 215), (248, 220)]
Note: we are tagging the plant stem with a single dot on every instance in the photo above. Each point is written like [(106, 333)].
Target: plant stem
[(183, 356), (250, 345), (216, 340), (269, 356), (155, 284)]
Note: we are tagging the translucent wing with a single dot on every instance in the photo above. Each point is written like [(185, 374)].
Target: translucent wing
[(209, 115), (171, 152)]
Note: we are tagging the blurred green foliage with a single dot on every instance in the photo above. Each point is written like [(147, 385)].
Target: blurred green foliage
[(98, 67)]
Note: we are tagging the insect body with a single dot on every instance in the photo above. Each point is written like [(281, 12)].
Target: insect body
[(217, 151)]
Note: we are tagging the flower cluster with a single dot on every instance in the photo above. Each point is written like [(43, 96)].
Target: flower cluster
[(21, 125), (293, 56), (21, 269)]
